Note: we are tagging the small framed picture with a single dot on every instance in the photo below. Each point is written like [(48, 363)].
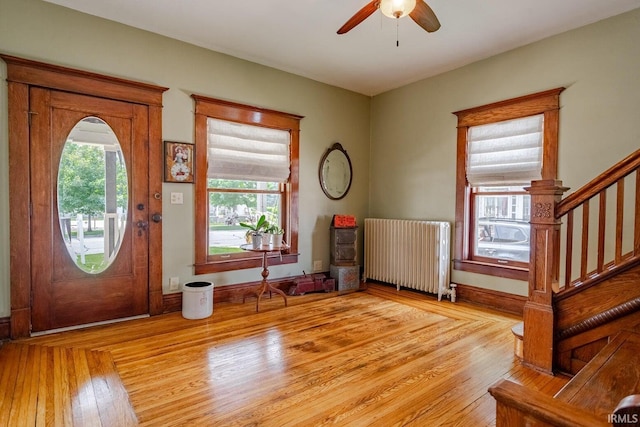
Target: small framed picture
[(178, 161)]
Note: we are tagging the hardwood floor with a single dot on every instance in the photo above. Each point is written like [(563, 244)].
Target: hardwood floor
[(378, 357)]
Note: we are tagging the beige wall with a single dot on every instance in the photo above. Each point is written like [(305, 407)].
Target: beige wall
[(37, 30), (413, 145), (411, 154)]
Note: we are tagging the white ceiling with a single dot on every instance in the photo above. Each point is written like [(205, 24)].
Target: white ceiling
[(299, 36)]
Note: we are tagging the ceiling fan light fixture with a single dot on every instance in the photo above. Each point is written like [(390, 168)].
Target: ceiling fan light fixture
[(397, 8)]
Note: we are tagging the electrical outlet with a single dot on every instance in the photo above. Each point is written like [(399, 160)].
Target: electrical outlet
[(317, 265), (176, 199), (174, 283)]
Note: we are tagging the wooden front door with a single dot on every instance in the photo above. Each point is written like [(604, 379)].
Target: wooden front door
[(63, 293)]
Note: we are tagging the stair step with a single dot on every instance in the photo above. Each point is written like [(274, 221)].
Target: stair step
[(61, 386), (518, 339)]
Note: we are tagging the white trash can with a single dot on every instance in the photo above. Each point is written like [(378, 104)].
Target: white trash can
[(197, 300)]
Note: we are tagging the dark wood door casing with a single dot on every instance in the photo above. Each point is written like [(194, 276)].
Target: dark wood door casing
[(63, 294), (24, 74)]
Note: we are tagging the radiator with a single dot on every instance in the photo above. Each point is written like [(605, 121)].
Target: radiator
[(410, 253)]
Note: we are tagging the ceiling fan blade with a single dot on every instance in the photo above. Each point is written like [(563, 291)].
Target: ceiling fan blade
[(360, 16), (424, 16)]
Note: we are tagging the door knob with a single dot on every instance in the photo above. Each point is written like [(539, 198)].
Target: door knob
[(156, 217)]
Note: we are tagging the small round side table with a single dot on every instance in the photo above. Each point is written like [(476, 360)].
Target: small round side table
[(265, 286)]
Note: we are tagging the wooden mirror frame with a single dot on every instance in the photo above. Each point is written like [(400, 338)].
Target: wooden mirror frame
[(335, 194)]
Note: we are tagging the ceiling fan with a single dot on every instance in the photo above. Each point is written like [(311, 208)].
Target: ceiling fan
[(418, 10)]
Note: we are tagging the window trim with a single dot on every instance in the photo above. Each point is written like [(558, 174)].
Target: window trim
[(225, 110), (547, 103)]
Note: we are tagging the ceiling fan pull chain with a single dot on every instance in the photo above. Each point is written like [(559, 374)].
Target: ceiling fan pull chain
[(397, 38)]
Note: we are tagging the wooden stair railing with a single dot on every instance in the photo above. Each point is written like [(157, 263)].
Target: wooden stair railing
[(538, 313), (567, 256), (577, 271)]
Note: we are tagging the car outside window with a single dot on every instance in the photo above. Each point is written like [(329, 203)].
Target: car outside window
[(503, 240), (501, 148)]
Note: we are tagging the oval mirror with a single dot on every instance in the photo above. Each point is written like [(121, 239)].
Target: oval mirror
[(93, 195), (335, 172)]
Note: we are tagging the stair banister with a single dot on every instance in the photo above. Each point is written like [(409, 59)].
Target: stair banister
[(543, 274), (606, 179)]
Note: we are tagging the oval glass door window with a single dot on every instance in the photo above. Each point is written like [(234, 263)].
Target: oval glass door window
[(93, 195)]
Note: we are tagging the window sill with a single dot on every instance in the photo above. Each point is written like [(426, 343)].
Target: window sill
[(509, 272), (244, 263)]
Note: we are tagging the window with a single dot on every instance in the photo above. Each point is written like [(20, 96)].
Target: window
[(246, 166), (502, 147)]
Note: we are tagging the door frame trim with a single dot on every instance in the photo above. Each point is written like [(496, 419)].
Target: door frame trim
[(21, 75)]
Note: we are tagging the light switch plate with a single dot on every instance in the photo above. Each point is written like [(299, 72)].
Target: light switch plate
[(317, 265), (176, 198)]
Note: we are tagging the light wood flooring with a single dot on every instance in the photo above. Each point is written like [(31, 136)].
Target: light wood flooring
[(373, 358)]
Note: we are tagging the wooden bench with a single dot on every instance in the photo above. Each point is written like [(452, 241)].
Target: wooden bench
[(601, 388)]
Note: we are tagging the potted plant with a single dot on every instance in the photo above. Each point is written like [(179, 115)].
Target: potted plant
[(254, 231), (276, 235)]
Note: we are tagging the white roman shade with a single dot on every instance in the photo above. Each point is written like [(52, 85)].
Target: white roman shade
[(246, 152), (505, 153)]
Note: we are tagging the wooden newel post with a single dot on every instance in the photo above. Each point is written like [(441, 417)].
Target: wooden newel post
[(543, 274)]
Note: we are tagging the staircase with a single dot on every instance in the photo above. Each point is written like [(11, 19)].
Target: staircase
[(583, 313), (584, 275)]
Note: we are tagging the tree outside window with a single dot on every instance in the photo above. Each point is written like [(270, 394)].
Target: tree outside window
[(247, 166)]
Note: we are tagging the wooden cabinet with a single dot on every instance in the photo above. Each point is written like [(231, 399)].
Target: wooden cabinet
[(343, 244), (343, 268)]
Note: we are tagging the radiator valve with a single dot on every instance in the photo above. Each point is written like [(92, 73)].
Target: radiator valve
[(452, 292)]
